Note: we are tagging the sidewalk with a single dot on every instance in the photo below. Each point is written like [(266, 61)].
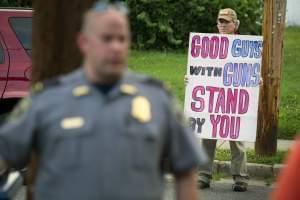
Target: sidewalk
[(282, 145), (254, 169), (221, 190)]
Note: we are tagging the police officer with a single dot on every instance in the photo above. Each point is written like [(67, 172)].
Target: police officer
[(102, 132)]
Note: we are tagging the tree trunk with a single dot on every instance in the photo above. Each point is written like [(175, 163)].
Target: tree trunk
[(55, 26), (273, 32)]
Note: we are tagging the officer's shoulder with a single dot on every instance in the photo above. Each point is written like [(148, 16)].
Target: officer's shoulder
[(45, 85), (72, 77), (56, 83), (151, 82)]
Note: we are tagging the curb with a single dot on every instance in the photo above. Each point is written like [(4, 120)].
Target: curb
[(254, 170)]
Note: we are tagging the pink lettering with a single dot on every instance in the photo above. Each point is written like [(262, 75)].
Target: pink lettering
[(195, 51), (224, 126), (214, 121), (232, 99), (235, 127), (224, 48), (212, 91), (212, 47), (197, 98), (243, 101), (220, 104)]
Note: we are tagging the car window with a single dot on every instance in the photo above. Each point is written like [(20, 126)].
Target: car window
[(23, 29), (1, 54)]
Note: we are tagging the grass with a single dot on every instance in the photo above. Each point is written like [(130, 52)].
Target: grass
[(171, 67), (224, 155), (218, 176), (167, 66), (289, 115)]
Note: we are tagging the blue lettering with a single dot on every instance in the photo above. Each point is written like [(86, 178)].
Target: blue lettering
[(227, 78), (245, 48), (236, 48), (255, 73), (253, 45), (245, 71), (258, 50), (236, 75)]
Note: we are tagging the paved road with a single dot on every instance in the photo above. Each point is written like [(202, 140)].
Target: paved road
[(220, 190)]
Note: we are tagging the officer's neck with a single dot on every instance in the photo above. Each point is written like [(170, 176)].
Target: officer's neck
[(97, 78)]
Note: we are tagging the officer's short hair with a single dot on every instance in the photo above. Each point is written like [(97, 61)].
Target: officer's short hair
[(104, 6)]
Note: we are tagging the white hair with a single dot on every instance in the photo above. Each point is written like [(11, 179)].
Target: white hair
[(237, 24)]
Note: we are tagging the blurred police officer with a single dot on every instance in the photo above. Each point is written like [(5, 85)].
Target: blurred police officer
[(227, 23), (101, 132)]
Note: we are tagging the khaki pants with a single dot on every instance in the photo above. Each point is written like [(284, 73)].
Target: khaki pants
[(238, 161)]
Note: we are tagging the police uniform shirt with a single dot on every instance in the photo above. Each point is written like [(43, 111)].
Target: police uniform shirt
[(92, 145)]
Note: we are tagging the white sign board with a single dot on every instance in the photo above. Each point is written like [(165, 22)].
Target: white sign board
[(221, 98)]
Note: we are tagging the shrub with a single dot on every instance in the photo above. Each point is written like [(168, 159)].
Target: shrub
[(165, 24)]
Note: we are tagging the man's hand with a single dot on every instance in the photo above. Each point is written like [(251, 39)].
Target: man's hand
[(186, 186), (186, 80), (261, 82)]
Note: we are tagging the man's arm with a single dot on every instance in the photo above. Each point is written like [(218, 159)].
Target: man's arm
[(16, 136), (184, 154), (186, 186)]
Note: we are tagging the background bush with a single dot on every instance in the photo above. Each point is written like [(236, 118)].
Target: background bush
[(16, 3), (165, 24)]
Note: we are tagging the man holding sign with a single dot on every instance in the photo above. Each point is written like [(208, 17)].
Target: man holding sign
[(222, 95)]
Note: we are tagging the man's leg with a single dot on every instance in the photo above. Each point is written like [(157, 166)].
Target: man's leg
[(239, 166), (205, 171)]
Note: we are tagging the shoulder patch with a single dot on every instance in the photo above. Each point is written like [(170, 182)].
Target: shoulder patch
[(37, 87), (41, 86), (82, 90), (128, 89), (20, 108)]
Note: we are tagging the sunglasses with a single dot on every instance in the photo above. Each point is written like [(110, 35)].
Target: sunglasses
[(223, 21), (102, 6)]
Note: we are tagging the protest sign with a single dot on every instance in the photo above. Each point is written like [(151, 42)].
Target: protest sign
[(221, 99)]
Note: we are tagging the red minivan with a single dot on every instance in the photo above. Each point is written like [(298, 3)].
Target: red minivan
[(15, 55)]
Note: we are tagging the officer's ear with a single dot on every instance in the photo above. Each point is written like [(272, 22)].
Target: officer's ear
[(82, 42)]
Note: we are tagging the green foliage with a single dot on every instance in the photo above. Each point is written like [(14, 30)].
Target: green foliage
[(225, 155), (289, 120), (16, 3), (165, 24)]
